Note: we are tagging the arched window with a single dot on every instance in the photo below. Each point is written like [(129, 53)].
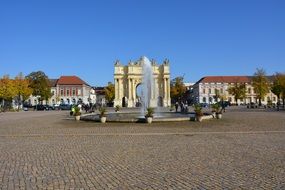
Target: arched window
[(210, 99)]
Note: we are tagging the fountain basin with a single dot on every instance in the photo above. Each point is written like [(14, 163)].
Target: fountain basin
[(135, 117)]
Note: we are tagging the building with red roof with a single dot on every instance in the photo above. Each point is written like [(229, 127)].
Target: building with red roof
[(68, 90), (205, 90)]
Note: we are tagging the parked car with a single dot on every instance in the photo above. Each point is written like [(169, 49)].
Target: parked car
[(65, 107), (204, 105), (39, 107), (252, 105), (226, 103), (48, 107), (56, 106), (27, 106)]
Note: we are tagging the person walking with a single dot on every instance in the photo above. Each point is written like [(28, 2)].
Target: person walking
[(176, 106)]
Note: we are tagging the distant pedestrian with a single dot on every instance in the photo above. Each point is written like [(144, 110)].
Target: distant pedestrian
[(182, 107), (176, 106), (223, 107), (185, 108), (72, 110)]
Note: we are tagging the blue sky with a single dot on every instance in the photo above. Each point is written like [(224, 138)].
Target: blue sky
[(84, 38)]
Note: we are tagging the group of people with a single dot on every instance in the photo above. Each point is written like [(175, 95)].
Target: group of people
[(89, 108), (183, 107)]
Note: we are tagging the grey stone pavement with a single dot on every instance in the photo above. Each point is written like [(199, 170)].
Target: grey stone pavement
[(49, 150)]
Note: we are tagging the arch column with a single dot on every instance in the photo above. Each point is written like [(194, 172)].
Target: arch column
[(130, 92), (168, 93), (129, 89), (134, 90), (117, 100)]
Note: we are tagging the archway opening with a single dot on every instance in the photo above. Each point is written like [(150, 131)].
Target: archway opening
[(139, 95), (124, 102), (160, 101)]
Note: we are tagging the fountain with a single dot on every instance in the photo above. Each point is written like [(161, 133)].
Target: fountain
[(149, 98), (148, 86)]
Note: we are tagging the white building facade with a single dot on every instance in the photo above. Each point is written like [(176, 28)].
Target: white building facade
[(206, 89), (68, 90)]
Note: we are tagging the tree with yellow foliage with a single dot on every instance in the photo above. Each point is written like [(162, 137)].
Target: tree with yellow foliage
[(22, 89), (177, 89), (7, 91), (110, 93)]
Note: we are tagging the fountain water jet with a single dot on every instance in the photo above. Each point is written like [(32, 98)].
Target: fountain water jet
[(148, 96)]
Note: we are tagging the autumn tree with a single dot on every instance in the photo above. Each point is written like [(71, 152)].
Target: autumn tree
[(177, 89), (22, 89), (278, 87), (217, 95), (110, 92), (7, 91), (238, 91), (39, 83), (260, 84)]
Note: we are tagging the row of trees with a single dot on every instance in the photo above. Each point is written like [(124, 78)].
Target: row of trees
[(262, 85), (21, 87)]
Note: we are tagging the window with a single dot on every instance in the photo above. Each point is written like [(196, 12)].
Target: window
[(67, 92), (222, 91), (73, 92), (210, 90), (204, 91), (204, 99), (61, 92), (210, 99), (249, 90)]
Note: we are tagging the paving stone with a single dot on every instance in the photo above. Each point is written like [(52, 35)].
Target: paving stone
[(44, 150)]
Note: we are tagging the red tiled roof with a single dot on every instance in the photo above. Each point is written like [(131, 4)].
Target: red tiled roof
[(225, 79), (53, 82), (70, 80)]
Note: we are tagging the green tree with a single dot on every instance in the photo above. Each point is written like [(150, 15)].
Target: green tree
[(278, 87), (177, 89), (217, 95), (238, 91), (7, 91), (110, 92), (260, 84), (39, 83), (22, 89)]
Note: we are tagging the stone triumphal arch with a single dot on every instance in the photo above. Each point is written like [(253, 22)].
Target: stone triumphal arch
[(127, 78)]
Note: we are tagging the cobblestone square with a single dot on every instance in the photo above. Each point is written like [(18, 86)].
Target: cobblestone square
[(49, 150)]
